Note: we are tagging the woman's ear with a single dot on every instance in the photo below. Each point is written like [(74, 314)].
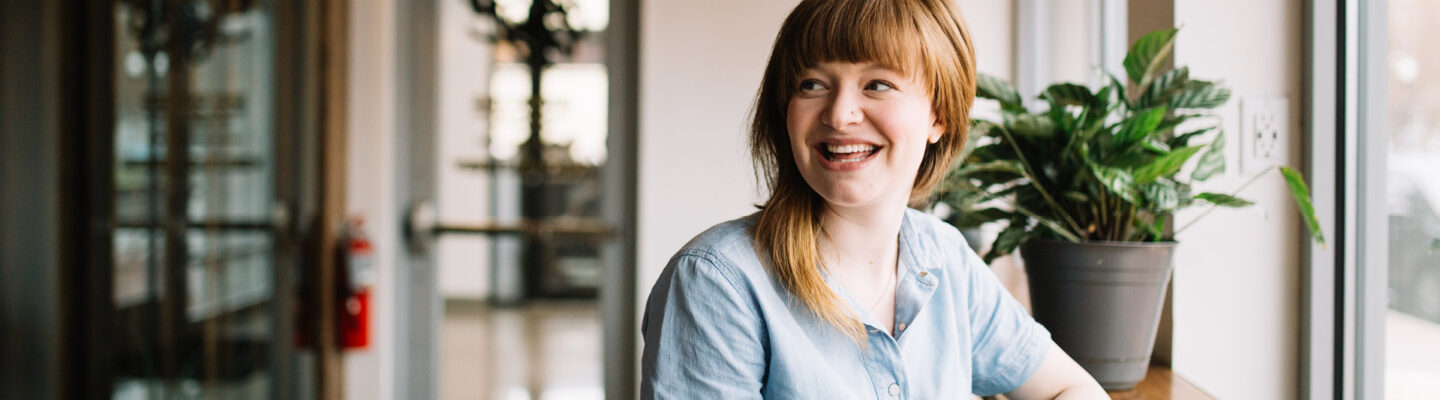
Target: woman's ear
[(936, 132)]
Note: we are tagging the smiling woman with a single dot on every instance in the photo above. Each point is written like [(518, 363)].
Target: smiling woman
[(835, 289)]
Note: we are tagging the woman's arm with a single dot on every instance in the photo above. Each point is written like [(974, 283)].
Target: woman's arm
[(1059, 377), (703, 335)]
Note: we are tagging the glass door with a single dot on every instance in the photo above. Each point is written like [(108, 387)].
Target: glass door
[(200, 295)]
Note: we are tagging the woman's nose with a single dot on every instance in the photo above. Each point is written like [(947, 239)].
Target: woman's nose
[(843, 111)]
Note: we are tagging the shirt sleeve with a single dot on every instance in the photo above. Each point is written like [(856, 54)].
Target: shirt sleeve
[(703, 335), (1008, 345)]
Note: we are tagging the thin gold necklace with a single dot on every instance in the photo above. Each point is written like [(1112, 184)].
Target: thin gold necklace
[(889, 285), (889, 282)]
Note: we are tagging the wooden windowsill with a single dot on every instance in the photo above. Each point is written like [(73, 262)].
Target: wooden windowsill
[(1161, 384)]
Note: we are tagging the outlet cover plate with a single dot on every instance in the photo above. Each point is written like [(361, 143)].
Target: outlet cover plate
[(1265, 132)]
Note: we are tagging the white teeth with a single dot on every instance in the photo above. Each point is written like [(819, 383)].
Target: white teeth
[(849, 148)]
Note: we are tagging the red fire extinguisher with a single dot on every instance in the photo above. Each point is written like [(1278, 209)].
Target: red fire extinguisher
[(359, 269)]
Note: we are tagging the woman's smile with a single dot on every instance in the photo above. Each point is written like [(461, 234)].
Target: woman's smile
[(845, 155)]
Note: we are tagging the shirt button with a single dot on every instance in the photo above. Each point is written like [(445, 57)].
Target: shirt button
[(894, 389), (901, 326), (923, 273)]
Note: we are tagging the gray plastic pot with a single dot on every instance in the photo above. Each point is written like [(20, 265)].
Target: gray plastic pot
[(1101, 302)]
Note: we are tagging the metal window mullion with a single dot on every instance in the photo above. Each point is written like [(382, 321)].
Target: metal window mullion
[(1372, 150), (1324, 52), (1032, 48), (1348, 231), (1113, 40)]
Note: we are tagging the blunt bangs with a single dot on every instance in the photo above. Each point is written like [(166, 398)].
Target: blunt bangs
[(851, 31)]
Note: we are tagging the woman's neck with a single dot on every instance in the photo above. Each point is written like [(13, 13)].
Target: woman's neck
[(861, 240)]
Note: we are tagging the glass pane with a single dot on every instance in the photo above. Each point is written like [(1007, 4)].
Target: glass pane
[(1413, 202), (194, 277), (521, 318)]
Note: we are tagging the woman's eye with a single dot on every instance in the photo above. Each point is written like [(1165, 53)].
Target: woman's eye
[(879, 86), (811, 84)]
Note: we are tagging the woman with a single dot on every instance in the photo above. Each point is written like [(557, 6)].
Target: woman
[(835, 289)]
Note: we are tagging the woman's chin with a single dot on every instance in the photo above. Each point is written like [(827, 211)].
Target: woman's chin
[(849, 198)]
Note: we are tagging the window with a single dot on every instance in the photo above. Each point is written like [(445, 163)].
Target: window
[(1373, 318)]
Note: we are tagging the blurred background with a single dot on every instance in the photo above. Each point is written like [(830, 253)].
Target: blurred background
[(381, 199)]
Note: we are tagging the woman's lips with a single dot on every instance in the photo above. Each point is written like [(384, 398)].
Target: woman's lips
[(846, 157)]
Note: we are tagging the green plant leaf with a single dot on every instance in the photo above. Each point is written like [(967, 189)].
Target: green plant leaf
[(1165, 165), (1103, 99), (1301, 193), (1133, 160), (990, 87), (991, 152), (1116, 181), (1008, 240), (1156, 146), (1163, 196), (1006, 166), (1156, 229), (1200, 95), (974, 218), (1069, 94), (1119, 89), (1053, 226), (1030, 126), (1137, 128), (1183, 139), (1165, 87), (1435, 245), (1213, 161), (1076, 196), (1148, 55), (1224, 200), (1183, 189)]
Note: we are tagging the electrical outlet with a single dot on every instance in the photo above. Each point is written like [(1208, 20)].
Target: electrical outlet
[(1264, 132)]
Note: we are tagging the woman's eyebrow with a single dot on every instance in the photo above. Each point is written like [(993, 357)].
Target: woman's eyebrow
[(878, 66), (870, 67)]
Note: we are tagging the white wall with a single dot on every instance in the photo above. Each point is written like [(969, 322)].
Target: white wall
[(700, 67), (1237, 277), (700, 64)]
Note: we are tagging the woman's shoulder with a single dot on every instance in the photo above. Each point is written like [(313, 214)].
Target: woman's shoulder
[(723, 237), (728, 245), (720, 262)]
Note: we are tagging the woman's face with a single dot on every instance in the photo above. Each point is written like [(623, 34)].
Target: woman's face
[(859, 131)]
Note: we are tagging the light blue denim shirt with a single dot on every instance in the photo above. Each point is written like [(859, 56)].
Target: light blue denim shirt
[(718, 326)]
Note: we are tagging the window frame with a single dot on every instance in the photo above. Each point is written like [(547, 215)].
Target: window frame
[(1344, 283)]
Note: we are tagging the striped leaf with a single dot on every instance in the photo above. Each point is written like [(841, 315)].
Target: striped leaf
[(1117, 181), (1137, 128), (1201, 95), (1213, 161), (1165, 165), (1162, 196), (1224, 200), (1148, 55), (1165, 87)]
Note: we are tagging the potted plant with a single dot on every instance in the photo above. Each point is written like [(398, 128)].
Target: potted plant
[(1086, 187)]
